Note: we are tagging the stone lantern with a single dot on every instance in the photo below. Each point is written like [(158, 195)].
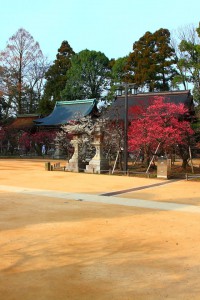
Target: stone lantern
[(98, 164), (75, 164)]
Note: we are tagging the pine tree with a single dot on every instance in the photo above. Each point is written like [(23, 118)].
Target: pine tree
[(152, 61), (56, 77)]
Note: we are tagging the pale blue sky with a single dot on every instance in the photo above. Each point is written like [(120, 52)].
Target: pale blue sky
[(103, 25)]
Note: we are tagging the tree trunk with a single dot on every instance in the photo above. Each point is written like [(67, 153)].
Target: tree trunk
[(147, 158), (184, 154), (185, 163)]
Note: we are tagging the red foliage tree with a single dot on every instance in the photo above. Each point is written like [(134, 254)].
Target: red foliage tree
[(36, 140), (43, 137), (161, 123), (25, 141)]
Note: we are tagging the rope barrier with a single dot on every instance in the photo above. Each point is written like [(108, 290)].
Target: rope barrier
[(193, 176)]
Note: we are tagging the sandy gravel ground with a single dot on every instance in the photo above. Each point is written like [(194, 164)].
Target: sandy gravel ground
[(58, 249)]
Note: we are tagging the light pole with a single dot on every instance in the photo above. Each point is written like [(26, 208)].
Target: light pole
[(126, 130), (126, 87)]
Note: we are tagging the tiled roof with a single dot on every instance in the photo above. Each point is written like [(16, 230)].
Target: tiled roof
[(117, 109), (65, 111)]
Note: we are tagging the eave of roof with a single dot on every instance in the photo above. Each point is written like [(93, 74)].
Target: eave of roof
[(23, 122), (65, 111)]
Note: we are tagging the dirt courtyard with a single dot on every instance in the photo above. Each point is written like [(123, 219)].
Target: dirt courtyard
[(53, 248)]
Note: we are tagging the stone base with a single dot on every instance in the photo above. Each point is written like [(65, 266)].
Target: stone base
[(75, 167), (97, 167)]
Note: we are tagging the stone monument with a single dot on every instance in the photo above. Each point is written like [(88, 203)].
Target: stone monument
[(163, 167)]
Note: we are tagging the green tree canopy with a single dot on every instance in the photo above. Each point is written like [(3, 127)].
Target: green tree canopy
[(119, 70), (87, 77), (152, 62), (119, 74)]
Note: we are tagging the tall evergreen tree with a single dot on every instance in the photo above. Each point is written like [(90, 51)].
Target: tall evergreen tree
[(56, 75), (152, 61)]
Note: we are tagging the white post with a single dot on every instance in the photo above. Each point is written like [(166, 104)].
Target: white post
[(115, 162), (153, 158), (191, 159)]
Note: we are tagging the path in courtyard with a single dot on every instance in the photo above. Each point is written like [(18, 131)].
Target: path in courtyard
[(104, 199)]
